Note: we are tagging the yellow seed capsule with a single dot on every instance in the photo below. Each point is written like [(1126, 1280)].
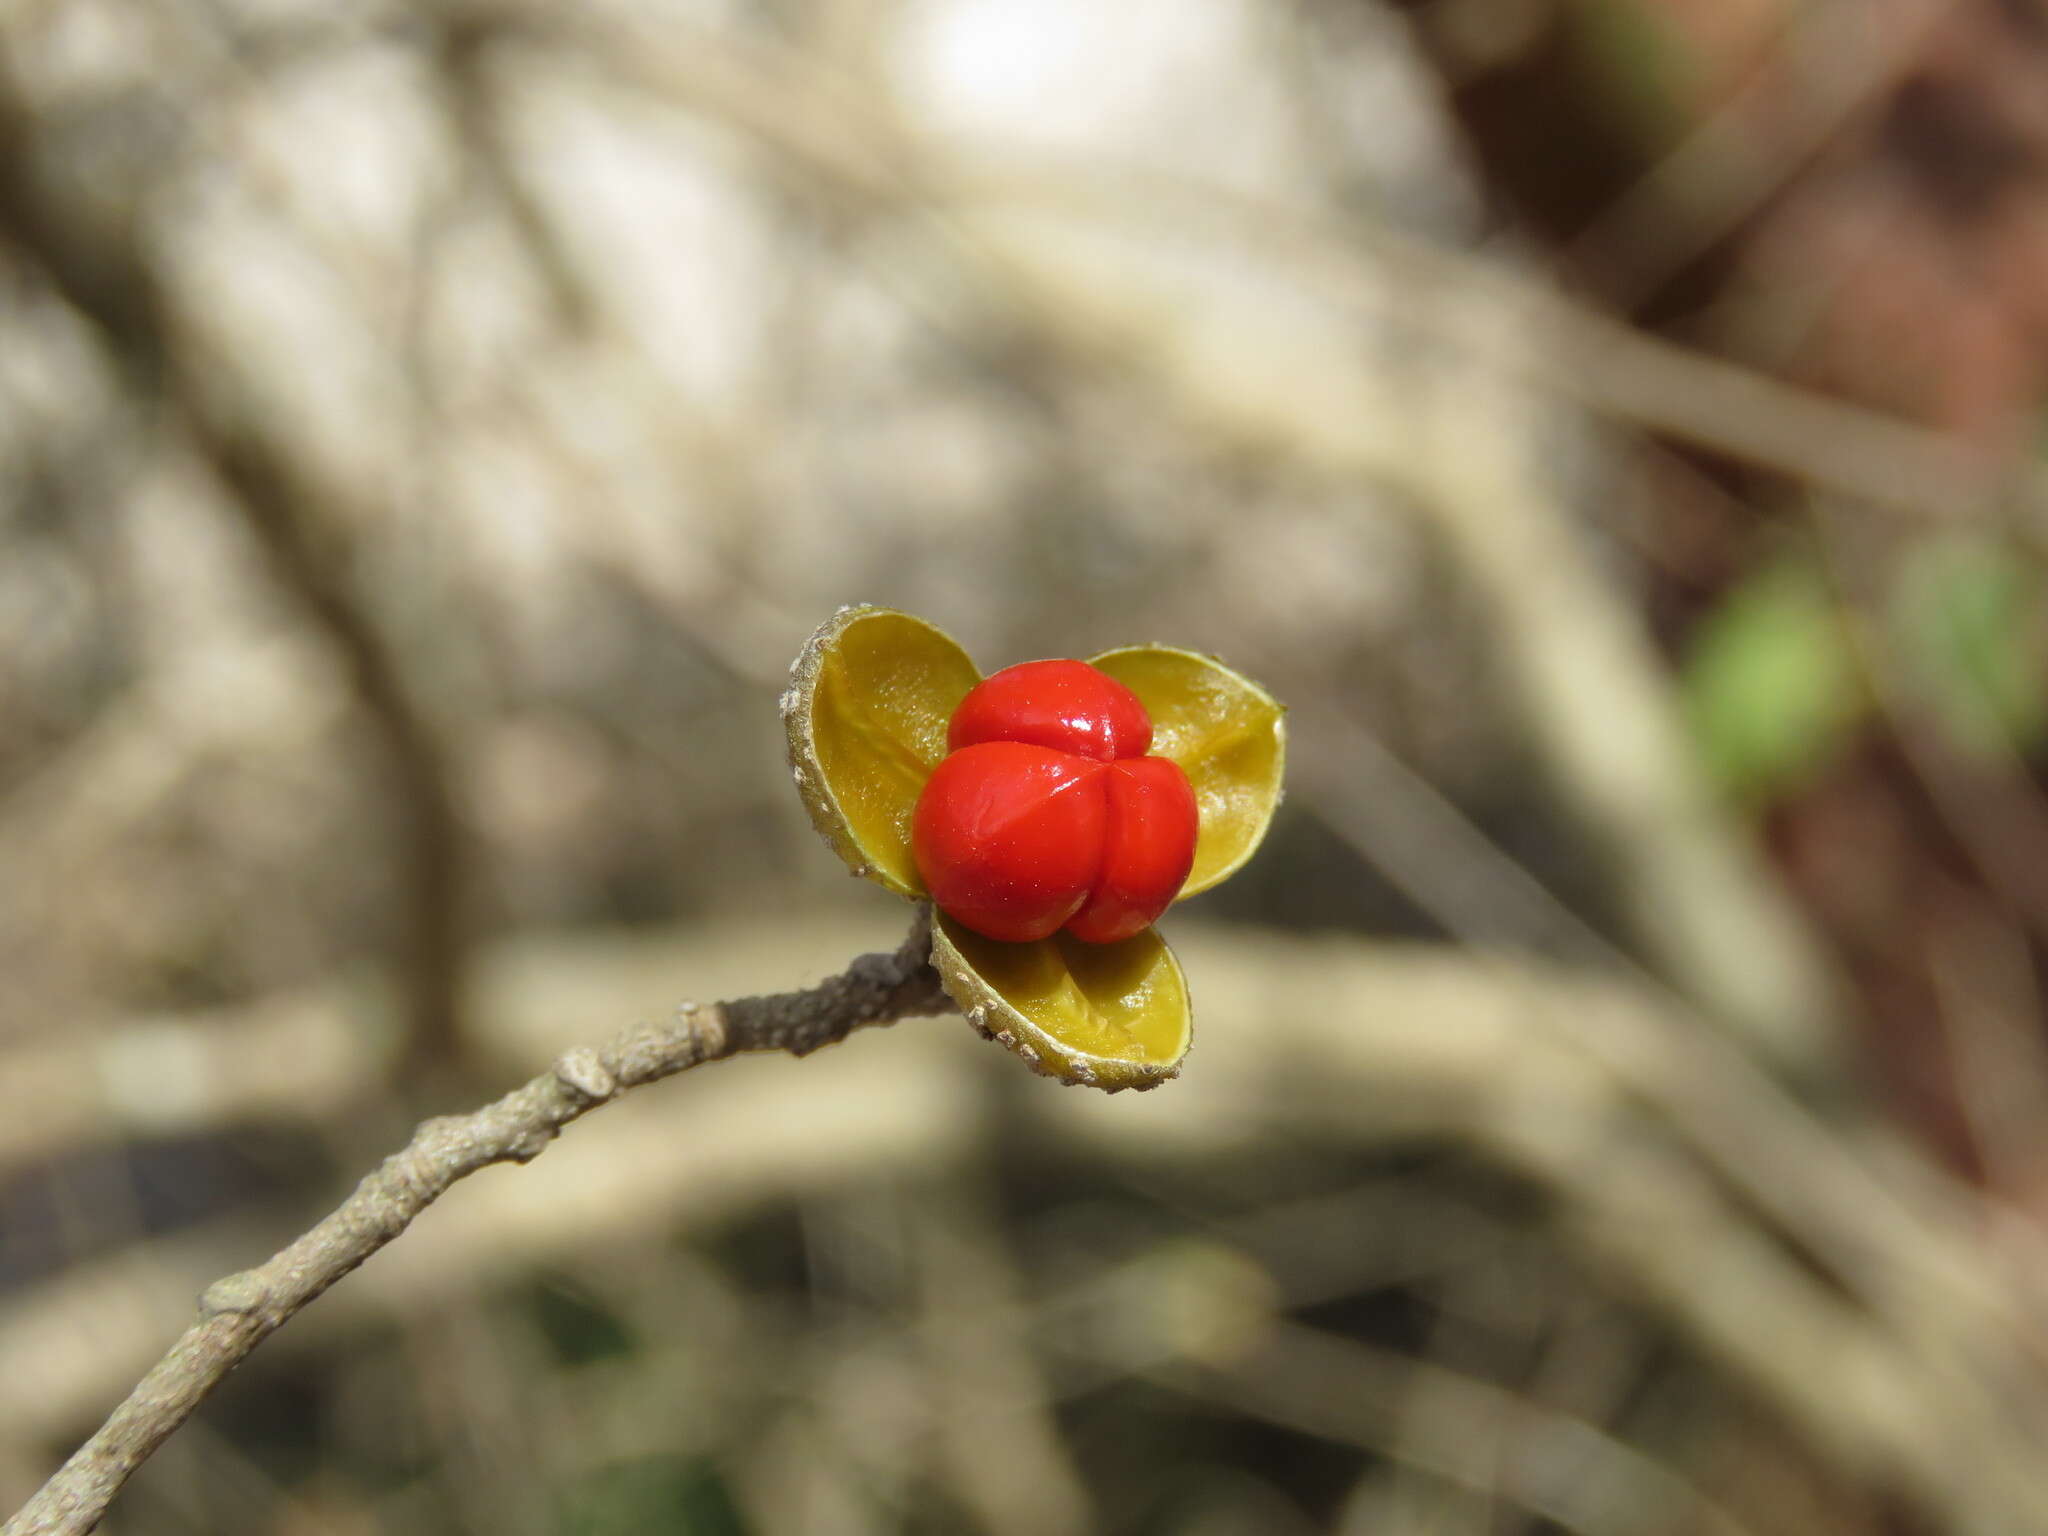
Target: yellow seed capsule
[(1108, 1015), (867, 714), (873, 691)]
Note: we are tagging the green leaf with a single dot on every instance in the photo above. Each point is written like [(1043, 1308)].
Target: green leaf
[(1967, 617), (651, 1496), (1771, 686), (1639, 62)]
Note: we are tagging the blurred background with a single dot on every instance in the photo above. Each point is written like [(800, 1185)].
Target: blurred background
[(1620, 1095)]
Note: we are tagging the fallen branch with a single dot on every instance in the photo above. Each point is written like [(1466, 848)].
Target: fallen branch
[(237, 1313)]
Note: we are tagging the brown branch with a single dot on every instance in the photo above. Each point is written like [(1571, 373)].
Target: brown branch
[(239, 1312)]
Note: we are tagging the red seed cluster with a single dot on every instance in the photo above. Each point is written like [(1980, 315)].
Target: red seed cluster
[(1047, 814)]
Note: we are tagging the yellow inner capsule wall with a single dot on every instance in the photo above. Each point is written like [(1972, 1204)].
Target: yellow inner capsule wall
[(1228, 736), (886, 686), (1118, 1003)]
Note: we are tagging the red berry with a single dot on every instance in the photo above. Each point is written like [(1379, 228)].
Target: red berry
[(1009, 837), (1066, 705), (1148, 852)]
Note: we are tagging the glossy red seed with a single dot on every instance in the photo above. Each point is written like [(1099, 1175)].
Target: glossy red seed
[(1066, 705), (1149, 849), (1009, 837)]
